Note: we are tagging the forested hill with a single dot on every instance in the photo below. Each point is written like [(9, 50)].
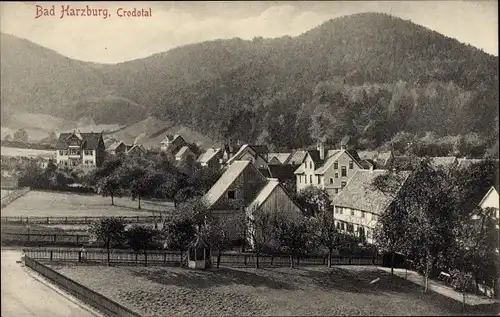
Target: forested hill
[(367, 76)]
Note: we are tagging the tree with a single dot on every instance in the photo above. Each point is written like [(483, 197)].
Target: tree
[(109, 231), (327, 234), (140, 238), (460, 281), (293, 236), (216, 232), (110, 185), (179, 232), (261, 226), (314, 200), (476, 244)]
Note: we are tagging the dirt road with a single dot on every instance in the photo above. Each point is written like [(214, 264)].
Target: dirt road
[(24, 296)]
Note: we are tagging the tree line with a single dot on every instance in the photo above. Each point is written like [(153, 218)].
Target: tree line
[(436, 223)]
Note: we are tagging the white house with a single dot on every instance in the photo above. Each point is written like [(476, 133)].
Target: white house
[(80, 149)]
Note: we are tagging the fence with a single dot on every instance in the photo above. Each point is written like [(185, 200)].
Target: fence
[(168, 257), (83, 293), (13, 196), (77, 220), (44, 239)]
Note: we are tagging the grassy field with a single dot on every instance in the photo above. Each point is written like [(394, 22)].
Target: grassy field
[(57, 204), (301, 291), (13, 151)]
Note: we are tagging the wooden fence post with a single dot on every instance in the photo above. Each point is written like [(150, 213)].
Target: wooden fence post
[(55, 238), (51, 256), (165, 257), (47, 220), (77, 236), (245, 259)]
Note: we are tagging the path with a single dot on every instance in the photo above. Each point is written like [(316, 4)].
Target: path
[(470, 299), (24, 296)]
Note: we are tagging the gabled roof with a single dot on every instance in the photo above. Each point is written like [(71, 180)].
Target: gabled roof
[(281, 157), (90, 140), (224, 182), (443, 161), (492, 189), (465, 162), (261, 149), (136, 147), (361, 195), (182, 151), (170, 138), (115, 145), (241, 151), (280, 172), (208, 155), (330, 160), (314, 154), (297, 157), (265, 192)]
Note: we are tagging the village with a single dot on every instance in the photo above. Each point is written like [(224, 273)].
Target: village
[(297, 204)]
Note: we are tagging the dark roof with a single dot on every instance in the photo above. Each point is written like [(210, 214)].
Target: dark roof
[(281, 172), (315, 156), (366, 164), (90, 140), (261, 149)]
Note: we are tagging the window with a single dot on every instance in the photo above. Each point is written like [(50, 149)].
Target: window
[(351, 165), (336, 190), (319, 179), (362, 214), (60, 152), (305, 179), (342, 185), (343, 226), (231, 194), (331, 180), (336, 175), (336, 165), (310, 179), (341, 210), (344, 171), (352, 212), (338, 226), (310, 165)]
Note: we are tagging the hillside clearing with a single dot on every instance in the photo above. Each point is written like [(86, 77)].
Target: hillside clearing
[(274, 291), (57, 204)]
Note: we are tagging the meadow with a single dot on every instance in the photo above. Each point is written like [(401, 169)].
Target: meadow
[(59, 204), (338, 291), (19, 152)]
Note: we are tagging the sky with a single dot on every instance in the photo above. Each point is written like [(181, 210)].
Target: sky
[(172, 24)]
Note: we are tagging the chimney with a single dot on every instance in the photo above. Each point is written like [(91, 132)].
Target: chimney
[(342, 146), (321, 149), (371, 168)]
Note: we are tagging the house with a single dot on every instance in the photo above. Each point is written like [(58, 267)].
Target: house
[(279, 158), (74, 149), (9, 180), (185, 154), (229, 150), (172, 143), (242, 186), (116, 147), (444, 162), (136, 149), (331, 170), (283, 173), (464, 163), (491, 200), (379, 160), (297, 157), (211, 158), (250, 153), (358, 206)]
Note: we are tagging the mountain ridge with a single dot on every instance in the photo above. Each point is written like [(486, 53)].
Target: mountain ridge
[(208, 85)]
